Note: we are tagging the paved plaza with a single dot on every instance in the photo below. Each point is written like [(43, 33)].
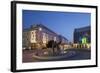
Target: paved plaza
[(71, 54)]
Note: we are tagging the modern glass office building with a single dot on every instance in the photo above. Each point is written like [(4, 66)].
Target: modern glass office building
[(82, 35)]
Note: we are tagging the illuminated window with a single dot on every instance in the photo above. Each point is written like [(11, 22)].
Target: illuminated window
[(84, 40), (33, 36), (44, 37), (55, 38)]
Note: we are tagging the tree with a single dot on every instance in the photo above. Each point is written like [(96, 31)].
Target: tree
[(53, 44)]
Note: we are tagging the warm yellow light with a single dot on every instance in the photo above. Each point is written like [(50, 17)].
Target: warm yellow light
[(88, 45)]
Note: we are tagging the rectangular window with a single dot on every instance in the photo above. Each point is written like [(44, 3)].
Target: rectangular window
[(33, 36), (44, 37), (55, 38)]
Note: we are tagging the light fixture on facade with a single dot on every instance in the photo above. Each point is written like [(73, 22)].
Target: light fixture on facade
[(40, 29)]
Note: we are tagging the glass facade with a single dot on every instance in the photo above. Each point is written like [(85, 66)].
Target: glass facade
[(82, 35)]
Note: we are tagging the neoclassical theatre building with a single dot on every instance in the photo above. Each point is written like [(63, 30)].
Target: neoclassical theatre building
[(38, 35)]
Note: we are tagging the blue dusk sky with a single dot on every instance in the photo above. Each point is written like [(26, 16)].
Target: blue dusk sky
[(62, 23)]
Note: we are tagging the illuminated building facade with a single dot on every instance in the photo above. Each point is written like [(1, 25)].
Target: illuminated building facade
[(37, 36), (82, 36)]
